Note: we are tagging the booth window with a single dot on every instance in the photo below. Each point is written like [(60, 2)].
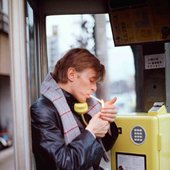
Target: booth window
[(32, 54), (119, 61)]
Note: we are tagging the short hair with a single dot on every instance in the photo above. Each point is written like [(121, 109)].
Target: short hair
[(80, 59)]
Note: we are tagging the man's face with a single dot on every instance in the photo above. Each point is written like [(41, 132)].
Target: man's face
[(84, 84)]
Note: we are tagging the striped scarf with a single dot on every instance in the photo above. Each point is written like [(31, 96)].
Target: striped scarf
[(54, 93)]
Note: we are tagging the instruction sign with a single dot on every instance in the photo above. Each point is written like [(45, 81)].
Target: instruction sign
[(138, 24), (130, 161)]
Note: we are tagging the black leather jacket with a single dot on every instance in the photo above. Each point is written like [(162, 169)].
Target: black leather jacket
[(49, 148)]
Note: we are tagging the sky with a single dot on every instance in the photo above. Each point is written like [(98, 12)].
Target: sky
[(120, 59)]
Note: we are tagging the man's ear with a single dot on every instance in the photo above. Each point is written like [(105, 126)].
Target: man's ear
[(71, 72)]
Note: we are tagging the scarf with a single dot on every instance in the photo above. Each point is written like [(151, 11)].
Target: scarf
[(54, 93)]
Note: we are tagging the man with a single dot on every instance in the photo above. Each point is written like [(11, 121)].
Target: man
[(61, 140)]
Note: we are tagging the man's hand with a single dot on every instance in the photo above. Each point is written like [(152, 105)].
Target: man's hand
[(109, 111), (97, 126)]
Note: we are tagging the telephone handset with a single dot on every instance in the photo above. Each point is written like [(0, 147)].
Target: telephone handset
[(81, 109)]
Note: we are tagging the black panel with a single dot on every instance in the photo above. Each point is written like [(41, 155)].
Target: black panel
[(125, 3)]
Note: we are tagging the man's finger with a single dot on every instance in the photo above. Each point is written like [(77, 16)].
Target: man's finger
[(112, 101)]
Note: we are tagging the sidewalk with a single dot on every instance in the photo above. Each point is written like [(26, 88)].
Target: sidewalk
[(7, 159)]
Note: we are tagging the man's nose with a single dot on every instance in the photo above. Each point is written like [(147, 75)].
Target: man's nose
[(94, 87)]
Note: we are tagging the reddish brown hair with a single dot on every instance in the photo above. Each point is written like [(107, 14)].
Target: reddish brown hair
[(80, 59)]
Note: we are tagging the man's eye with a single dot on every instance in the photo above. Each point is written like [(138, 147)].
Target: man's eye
[(92, 81)]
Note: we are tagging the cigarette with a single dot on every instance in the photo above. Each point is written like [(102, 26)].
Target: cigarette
[(100, 101)]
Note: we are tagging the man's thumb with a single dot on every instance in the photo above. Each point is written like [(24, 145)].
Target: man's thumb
[(112, 101)]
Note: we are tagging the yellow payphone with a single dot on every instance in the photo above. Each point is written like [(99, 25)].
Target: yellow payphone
[(144, 141)]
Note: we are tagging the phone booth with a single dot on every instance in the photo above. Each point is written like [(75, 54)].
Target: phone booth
[(143, 141)]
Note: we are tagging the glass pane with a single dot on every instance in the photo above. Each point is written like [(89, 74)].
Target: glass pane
[(31, 54), (94, 33)]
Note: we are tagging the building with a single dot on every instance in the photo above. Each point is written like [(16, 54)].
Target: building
[(53, 48)]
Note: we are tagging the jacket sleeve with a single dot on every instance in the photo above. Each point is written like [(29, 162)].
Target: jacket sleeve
[(110, 139), (48, 142)]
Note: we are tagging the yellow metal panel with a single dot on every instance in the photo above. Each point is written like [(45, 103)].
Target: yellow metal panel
[(164, 130), (143, 142), (149, 147)]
